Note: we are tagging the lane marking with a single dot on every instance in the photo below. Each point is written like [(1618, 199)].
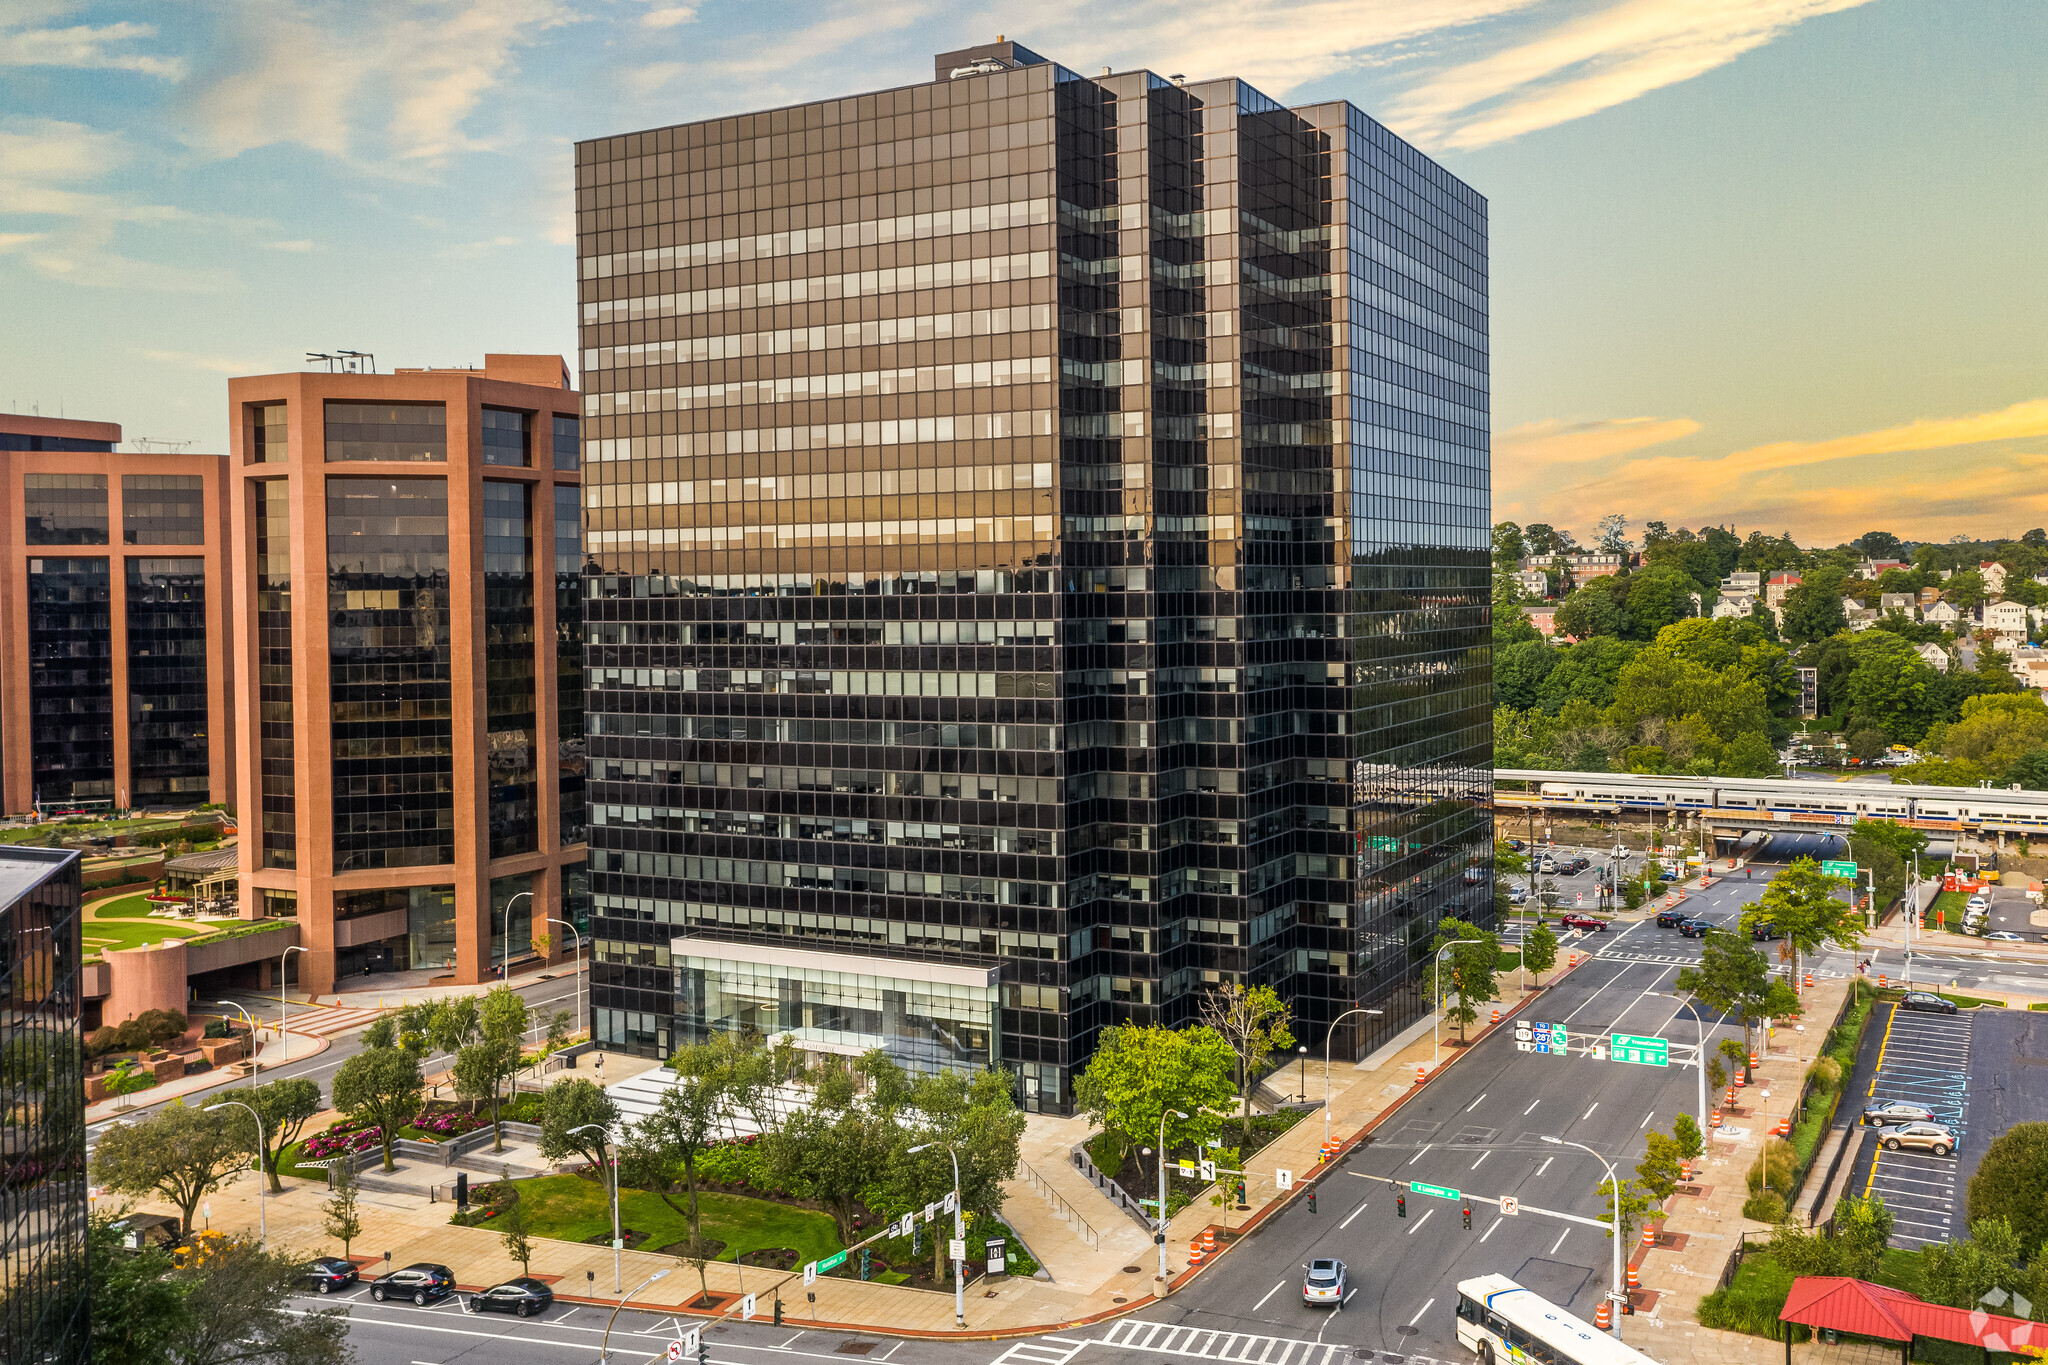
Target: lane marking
[(1560, 1241), (1271, 1292), (1646, 1119), (1495, 1228), (1546, 1164), (1589, 1112), (1352, 1295), (1482, 1157), (1475, 1104), (1418, 1154), (1532, 1106), (1353, 1214), (1420, 1221), (1420, 1311)]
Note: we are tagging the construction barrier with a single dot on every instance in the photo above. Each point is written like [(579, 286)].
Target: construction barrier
[(1785, 1127), (1753, 1060), (1809, 981), (1603, 1316), (1635, 1280), (1421, 1073), (1685, 1171), (1496, 1014), (1195, 1256), (1649, 1235), (1715, 1120), (1881, 981)]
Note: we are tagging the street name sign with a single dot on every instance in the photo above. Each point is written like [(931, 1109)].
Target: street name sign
[(1440, 1191), (1627, 1047), (1837, 869), (831, 1263)]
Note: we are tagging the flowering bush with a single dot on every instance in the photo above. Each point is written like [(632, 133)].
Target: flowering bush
[(446, 1125), (338, 1140)]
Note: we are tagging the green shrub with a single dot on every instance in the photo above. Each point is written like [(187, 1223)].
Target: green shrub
[(1776, 1162), (1752, 1303), (1767, 1207), (734, 1163), (131, 1036), (161, 1025), (1826, 1074), (102, 1041)]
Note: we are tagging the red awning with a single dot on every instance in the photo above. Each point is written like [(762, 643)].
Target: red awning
[(1871, 1310)]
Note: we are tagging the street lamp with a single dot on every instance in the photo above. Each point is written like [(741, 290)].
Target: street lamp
[(1437, 1018), (1303, 1052), (284, 1036), (612, 1166), (1327, 1039), (1699, 1063), (505, 967), (960, 1231), (262, 1146), (1159, 1237), (1614, 1187), (604, 1345), (251, 1021), (582, 977)]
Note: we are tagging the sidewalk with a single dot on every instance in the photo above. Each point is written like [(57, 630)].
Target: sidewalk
[(271, 1055)]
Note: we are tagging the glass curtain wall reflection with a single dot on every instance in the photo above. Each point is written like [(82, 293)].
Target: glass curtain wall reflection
[(71, 680), (510, 757), (570, 758), (163, 509), (65, 509), (279, 840), (389, 672), (168, 755)]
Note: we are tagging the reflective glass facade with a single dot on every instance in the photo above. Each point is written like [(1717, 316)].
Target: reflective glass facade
[(276, 731), (269, 433), (571, 760), (65, 509), (168, 757), (163, 509), (1042, 521), (43, 1283), (511, 760), (506, 440), (389, 672), (386, 431), (71, 680)]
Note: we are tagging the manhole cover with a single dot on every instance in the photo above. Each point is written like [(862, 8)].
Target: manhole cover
[(1133, 1270), (1119, 1299), (1404, 1330), (857, 1348)]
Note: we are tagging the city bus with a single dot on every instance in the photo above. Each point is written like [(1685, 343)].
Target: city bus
[(1505, 1324)]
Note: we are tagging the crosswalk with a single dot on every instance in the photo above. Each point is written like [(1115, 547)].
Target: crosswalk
[(1197, 1343), (325, 1021)]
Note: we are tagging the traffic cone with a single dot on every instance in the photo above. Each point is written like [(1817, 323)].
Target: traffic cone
[(1575, 959), (1785, 1127), (1729, 1098), (1753, 1060), (1739, 1084), (1209, 1241), (1603, 1316), (1635, 1280)]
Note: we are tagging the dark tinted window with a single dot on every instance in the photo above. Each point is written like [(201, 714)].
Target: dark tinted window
[(163, 509), (505, 437), (65, 509), (568, 443), (386, 431)]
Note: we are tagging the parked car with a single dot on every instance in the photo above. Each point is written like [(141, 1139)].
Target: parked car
[(1518, 895), (422, 1282), (2006, 936), (1578, 865), (1694, 928), (1324, 1283), (1926, 1003), (1671, 919), (329, 1273), (1976, 904), (1763, 931), (1883, 1113), (1516, 844), (523, 1296), (1926, 1137), (1582, 922), (1669, 874)]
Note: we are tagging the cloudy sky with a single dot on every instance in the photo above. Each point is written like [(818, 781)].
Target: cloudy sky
[(1775, 263)]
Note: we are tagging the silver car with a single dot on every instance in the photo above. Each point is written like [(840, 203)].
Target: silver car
[(1925, 1137), (1324, 1284), (1884, 1113)]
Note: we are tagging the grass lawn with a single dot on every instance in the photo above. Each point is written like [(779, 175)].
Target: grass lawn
[(102, 935), (574, 1209), (128, 907)]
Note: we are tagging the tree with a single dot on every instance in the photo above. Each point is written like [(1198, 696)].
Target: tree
[(492, 1058), (2030, 769), (569, 1104), (1467, 968), (512, 1234), (453, 1024), (343, 1220), (137, 1310), (1613, 531), (1593, 610), (1801, 903), (1685, 1131), (1813, 611), (833, 1149), (954, 1114), (1658, 596), (1658, 1170), (1960, 1274), (1141, 1072), (1539, 950), (713, 1080), (1509, 546), (1880, 545), (1519, 671), (383, 1086), (480, 1072), (1254, 1023), (1635, 1202), (181, 1153), (1902, 841), (235, 1311), (1869, 743), (1891, 687), (2011, 1183), (1863, 1229), (284, 1106), (1734, 978)]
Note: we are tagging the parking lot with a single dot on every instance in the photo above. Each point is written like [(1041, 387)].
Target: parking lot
[(1923, 1059)]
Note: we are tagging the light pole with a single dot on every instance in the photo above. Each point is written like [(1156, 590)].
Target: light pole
[(582, 977), (505, 966), (604, 1345), (959, 1233), (1327, 1039), (1159, 1237), (1699, 1063), (251, 1021), (612, 1169), (1616, 1295), (284, 1037), (262, 1147), (1435, 1052)]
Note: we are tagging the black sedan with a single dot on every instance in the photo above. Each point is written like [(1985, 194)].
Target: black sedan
[(422, 1282), (330, 1273), (1886, 1112), (1763, 931), (1928, 1004), (1671, 919), (1694, 928), (523, 1296)]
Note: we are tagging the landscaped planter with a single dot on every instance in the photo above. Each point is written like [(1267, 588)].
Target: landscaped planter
[(167, 1068), (221, 1050)]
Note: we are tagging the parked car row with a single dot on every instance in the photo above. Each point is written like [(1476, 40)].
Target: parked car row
[(424, 1283)]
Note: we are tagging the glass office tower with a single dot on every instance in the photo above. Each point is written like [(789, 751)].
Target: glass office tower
[(1037, 544)]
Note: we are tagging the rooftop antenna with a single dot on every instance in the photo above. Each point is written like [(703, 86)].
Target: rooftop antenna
[(150, 445), (343, 361)]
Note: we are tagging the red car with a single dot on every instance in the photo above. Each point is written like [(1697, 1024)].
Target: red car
[(1582, 922)]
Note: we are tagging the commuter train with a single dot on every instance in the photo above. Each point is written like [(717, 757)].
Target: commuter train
[(1814, 801)]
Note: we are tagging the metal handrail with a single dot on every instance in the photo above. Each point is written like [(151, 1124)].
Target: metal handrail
[(1060, 1207)]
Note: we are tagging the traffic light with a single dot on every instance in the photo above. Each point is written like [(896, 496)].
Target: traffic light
[(863, 1263), (703, 1351), (778, 1310), (1401, 1205), (1468, 1218), (1311, 1200)]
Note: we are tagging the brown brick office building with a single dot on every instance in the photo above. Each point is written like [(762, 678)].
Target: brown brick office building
[(410, 694), (116, 631)]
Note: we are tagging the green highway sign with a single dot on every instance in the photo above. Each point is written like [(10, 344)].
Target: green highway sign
[(1417, 1187), (1627, 1047), (1835, 869), (832, 1262)]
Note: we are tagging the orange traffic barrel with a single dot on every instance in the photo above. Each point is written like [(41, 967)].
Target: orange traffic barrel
[(1809, 981), (1649, 1235), (1881, 981), (1194, 1255), (1496, 1014), (1635, 1281), (1715, 1120), (1603, 1317)]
